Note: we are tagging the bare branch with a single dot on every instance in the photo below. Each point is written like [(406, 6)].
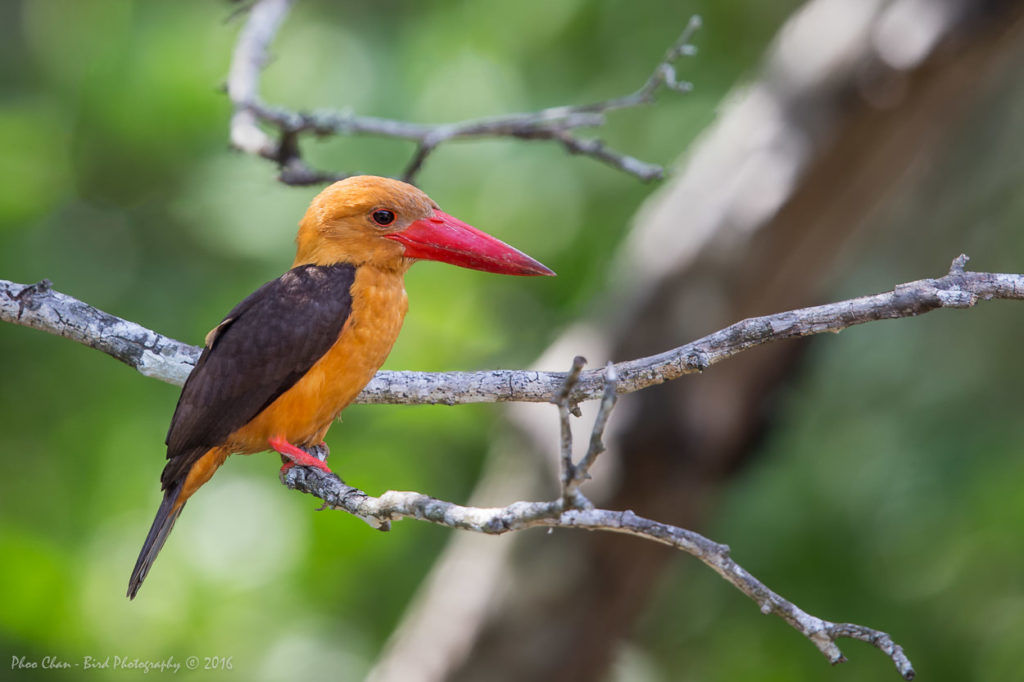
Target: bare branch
[(394, 505), (574, 474), (40, 307), (664, 74), (554, 123), (250, 56), (573, 510)]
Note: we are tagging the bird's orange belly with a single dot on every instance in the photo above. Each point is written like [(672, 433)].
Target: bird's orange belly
[(303, 413)]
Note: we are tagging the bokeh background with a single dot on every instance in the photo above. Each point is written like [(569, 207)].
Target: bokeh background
[(886, 492)]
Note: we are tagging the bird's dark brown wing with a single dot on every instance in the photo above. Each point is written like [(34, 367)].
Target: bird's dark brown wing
[(263, 346)]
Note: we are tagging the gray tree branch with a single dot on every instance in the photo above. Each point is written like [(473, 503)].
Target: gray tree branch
[(554, 123), (39, 306)]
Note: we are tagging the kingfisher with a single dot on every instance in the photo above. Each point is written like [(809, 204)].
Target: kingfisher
[(282, 365)]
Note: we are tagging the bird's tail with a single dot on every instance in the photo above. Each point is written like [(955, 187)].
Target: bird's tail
[(166, 515), (182, 476)]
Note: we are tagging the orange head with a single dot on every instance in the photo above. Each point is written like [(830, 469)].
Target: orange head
[(388, 224)]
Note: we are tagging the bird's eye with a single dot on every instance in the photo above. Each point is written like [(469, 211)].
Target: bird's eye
[(383, 217)]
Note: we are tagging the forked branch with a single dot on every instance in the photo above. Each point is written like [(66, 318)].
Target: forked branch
[(557, 124)]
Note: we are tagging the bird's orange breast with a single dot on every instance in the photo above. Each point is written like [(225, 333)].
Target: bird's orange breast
[(303, 413)]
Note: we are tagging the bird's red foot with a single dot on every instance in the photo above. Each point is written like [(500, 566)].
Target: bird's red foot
[(296, 455)]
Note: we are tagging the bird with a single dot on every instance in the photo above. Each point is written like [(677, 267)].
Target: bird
[(280, 367)]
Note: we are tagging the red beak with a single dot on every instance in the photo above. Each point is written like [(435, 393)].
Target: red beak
[(447, 239)]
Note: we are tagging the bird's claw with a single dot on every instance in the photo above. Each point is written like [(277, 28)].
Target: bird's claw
[(297, 455)]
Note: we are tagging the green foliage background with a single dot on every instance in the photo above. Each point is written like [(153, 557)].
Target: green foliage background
[(888, 494)]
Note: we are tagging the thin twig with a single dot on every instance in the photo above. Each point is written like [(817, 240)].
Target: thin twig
[(381, 511), (574, 474), (554, 123), (566, 408), (40, 307), (596, 446)]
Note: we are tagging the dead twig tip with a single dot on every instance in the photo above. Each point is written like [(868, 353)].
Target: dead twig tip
[(957, 267)]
